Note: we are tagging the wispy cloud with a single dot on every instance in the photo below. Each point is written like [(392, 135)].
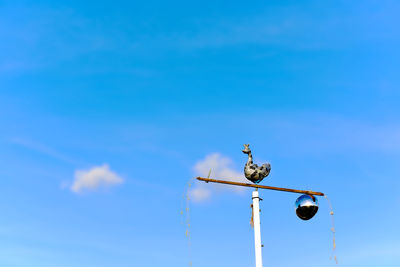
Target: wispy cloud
[(38, 35), (42, 148), (221, 167), (334, 133), (292, 28), (95, 178)]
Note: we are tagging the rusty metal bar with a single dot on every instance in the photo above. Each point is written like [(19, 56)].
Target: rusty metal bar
[(308, 192)]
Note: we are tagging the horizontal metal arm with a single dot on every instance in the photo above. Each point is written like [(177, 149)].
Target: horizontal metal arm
[(262, 186)]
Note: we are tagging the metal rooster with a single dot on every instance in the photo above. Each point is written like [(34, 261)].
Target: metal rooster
[(253, 172)]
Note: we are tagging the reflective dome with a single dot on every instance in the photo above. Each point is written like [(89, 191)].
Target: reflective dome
[(306, 207)]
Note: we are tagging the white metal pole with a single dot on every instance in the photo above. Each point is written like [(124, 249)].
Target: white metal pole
[(257, 230)]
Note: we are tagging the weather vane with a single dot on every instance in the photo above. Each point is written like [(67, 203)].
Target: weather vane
[(306, 205)]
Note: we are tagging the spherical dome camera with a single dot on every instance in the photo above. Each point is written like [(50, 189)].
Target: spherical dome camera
[(306, 207)]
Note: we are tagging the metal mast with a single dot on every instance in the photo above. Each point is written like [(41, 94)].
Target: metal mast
[(257, 228)]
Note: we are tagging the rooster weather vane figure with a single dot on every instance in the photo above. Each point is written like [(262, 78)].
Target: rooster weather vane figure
[(252, 171)]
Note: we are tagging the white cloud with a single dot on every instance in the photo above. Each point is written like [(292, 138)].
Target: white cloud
[(221, 168), (94, 178), (200, 194)]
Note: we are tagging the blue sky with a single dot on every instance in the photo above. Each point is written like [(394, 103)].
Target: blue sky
[(123, 99)]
